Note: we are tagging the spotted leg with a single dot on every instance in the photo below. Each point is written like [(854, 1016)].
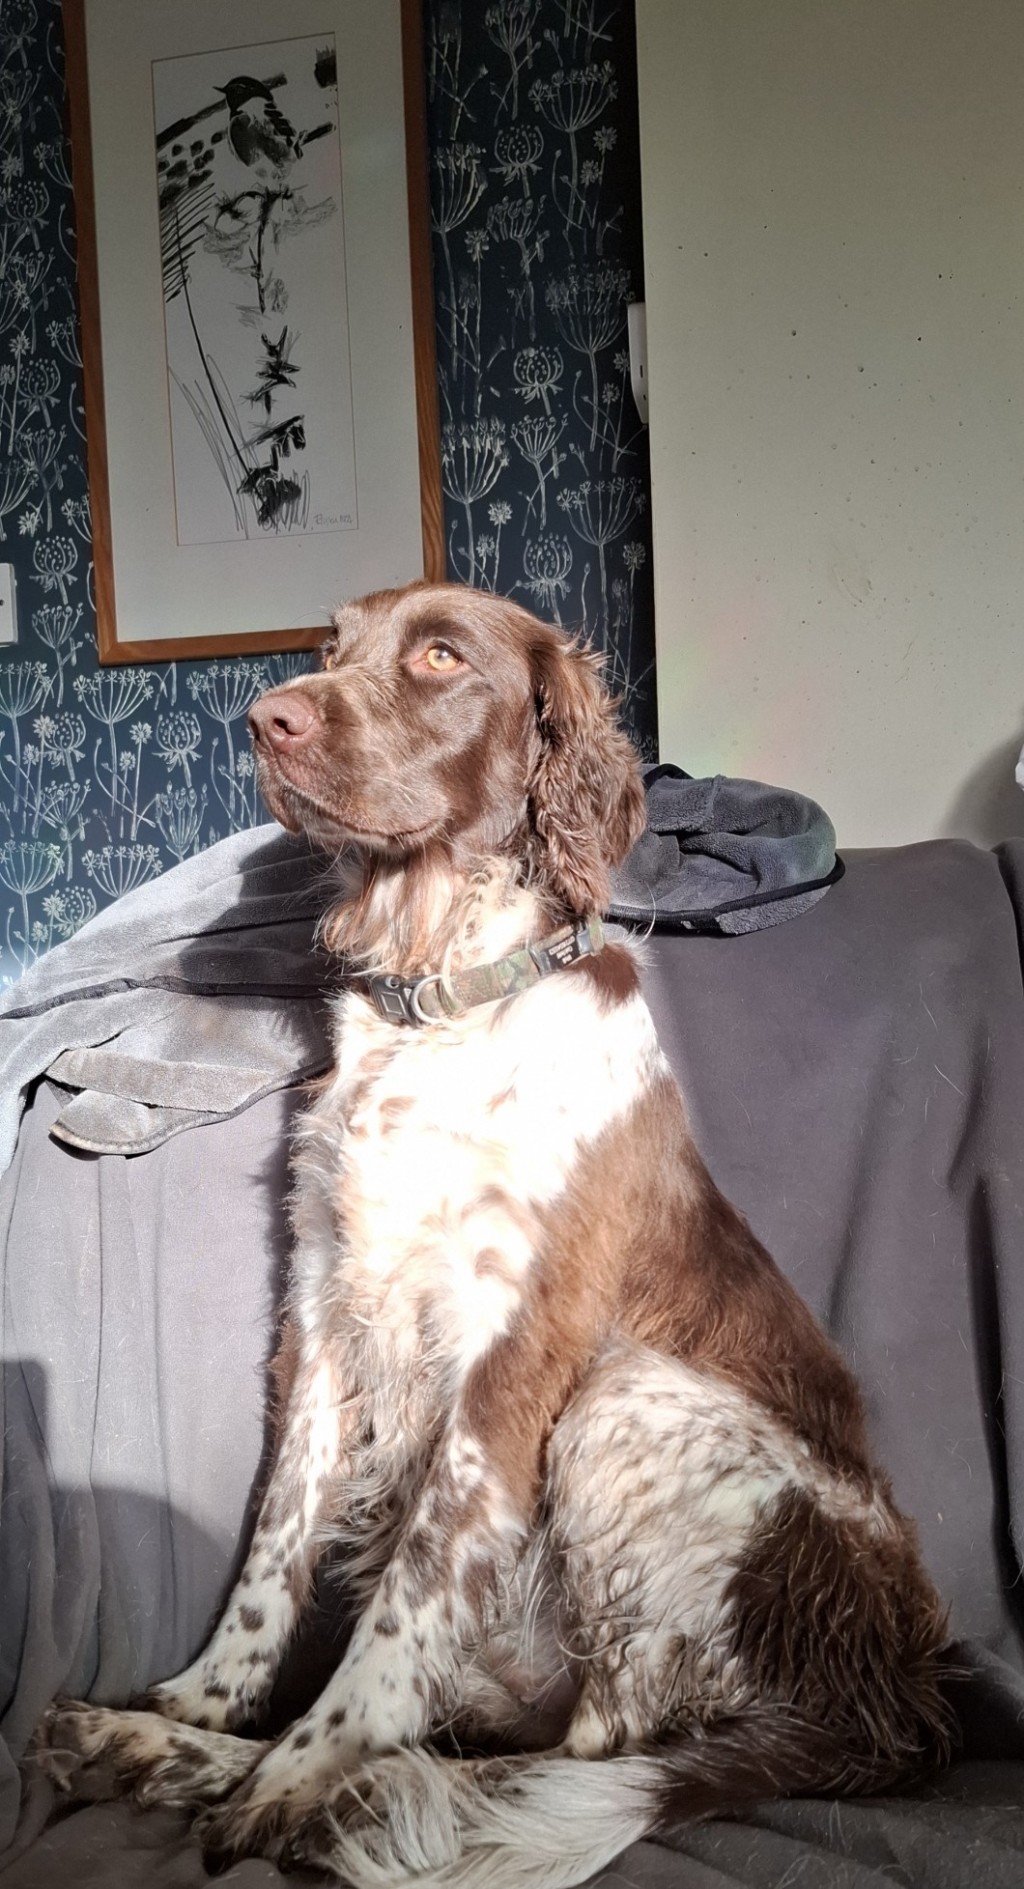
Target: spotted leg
[(402, 1672), (232, 1679)]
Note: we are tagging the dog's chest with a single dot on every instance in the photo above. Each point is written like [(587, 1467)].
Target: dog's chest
[(447, 1148)]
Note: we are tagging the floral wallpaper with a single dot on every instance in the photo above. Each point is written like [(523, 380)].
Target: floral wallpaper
[(535, 196), (108, 777)]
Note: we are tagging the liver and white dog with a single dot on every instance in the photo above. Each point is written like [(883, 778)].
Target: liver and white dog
[(618, 1551)]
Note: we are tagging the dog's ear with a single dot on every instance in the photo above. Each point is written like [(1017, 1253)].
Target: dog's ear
[(585, 792)]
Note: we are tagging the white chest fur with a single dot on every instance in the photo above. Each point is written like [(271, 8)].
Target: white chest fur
[(437, 1149)]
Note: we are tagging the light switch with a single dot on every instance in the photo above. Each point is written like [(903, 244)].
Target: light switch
[(636, 316), (8, 610)]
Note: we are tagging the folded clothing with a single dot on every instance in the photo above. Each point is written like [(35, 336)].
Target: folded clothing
[(724, 855)]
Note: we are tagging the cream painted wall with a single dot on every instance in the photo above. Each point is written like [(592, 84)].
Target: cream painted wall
[(834, 237)]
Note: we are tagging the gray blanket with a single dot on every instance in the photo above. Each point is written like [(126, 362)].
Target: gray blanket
[(179, 1005), (856, 1080)]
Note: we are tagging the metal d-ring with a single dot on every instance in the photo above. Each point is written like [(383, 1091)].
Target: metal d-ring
[(415, 1007)]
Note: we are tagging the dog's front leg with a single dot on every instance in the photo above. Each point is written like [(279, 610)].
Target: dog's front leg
[(231, 1680), (402, 1674)]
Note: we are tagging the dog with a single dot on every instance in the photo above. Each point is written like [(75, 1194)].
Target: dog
[(617, 1550)]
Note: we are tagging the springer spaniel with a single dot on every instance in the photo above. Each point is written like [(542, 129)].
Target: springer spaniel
[(619, 1553)]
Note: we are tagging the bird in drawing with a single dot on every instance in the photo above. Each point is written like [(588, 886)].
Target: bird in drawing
[(259, 134)]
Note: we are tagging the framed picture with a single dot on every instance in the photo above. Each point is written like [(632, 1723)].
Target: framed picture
[(257, 315)]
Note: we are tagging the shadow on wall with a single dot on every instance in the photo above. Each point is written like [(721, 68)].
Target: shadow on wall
[(990, 806)]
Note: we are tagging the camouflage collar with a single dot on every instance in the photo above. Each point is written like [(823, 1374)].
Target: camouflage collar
[(435, 998)]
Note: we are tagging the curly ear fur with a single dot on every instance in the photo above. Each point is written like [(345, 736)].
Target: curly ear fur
[(586, 796)]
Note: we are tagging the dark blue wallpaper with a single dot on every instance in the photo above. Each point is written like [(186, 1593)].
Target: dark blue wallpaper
[(536, 210), (110, 776)]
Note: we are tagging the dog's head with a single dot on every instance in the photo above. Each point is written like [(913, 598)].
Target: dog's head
[(446, 718)]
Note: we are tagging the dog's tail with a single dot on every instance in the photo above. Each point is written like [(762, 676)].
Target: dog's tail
[(549, 1822)]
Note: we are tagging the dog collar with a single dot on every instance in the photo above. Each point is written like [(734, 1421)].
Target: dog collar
[(435, 998)]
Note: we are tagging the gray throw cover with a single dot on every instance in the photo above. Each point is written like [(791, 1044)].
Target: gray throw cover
[(856, 1082)]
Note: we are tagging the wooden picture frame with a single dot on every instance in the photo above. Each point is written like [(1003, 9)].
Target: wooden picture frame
[(152, 588)]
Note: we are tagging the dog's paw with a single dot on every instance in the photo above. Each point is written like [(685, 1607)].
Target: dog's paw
[(294, 1833), (398, 1814), (243, 1827), (69, 1748), (209, 1697), (286, 1810), (94, 1753)]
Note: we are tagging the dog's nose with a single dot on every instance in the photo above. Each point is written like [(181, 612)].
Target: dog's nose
[(281, 721)]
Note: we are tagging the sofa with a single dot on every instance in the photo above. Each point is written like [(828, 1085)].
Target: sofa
[(855, 1077)]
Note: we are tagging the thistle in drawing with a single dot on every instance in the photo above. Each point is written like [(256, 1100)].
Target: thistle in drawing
[(274, 370)]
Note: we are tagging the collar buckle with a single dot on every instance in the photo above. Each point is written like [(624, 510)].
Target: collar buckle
[(399, 999)]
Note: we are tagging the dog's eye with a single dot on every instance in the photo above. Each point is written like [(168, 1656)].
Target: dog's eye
[(439, 658)]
